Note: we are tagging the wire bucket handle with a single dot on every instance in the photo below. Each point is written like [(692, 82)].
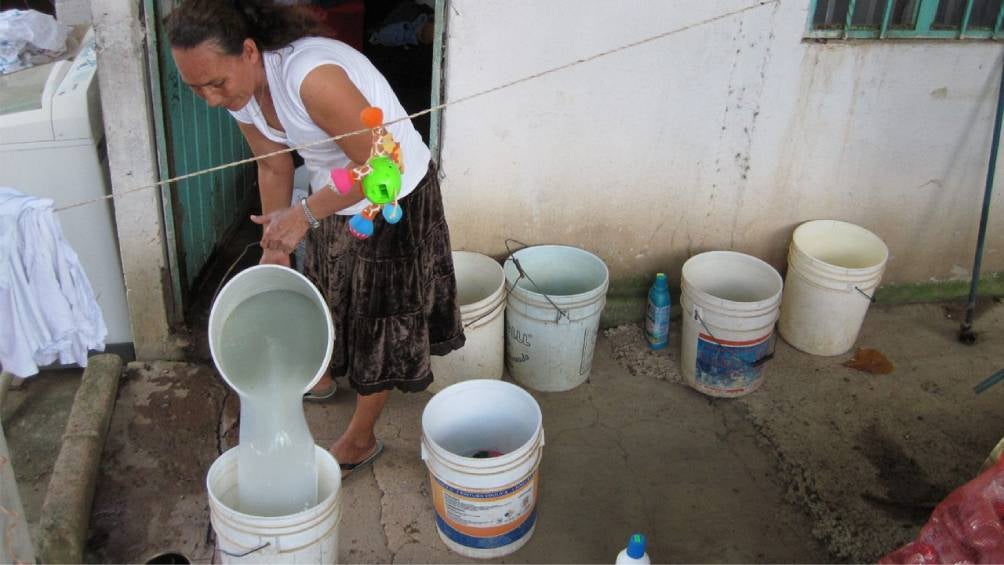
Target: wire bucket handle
[(510, 256)]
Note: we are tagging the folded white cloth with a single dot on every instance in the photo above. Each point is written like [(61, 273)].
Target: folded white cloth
[(48, 312), (29, 37)]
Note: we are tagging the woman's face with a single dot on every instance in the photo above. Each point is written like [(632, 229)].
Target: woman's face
[(220, 79)]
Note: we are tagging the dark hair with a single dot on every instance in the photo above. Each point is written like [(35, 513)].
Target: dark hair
[(230, 22)]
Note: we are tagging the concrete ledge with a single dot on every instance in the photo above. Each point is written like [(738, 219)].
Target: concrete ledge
[(627, 298), (991, 284), (65, 512), (16, 546)]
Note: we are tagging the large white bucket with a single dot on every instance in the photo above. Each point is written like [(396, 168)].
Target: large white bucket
[(730, 304), (481, 293), (251, 282), (834, 269), (310, 536), (484, 507), (556, 296)]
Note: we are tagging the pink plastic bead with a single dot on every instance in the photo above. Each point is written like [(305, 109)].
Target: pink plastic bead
[(342, 179)]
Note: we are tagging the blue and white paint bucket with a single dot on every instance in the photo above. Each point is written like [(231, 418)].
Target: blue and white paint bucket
[(482, 441), (730, 305)]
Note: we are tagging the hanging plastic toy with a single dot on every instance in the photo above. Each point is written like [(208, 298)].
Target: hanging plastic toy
[(380, 177)]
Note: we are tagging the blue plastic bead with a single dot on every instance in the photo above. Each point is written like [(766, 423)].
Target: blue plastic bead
[(360, 226), (392, 213)]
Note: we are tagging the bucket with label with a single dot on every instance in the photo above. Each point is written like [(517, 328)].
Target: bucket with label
[(482, 441), (556, 296), (730, 305)]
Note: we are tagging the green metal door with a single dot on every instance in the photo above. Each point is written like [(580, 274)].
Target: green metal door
[(199, 212)]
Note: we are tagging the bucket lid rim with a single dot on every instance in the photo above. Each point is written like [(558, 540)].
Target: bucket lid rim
[(488, 383), (746, 306), (798, 257), (809, 224), (570, 298), (336, 493)]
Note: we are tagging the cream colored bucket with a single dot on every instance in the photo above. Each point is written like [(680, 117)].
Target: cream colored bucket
[(834, 269)]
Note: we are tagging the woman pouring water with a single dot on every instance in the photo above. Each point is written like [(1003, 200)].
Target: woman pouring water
[(393, 296)]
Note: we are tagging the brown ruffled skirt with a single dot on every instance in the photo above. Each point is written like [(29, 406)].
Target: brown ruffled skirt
[(393, 296)]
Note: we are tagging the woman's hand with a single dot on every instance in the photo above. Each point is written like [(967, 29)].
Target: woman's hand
[(273, 257), (282, 230)]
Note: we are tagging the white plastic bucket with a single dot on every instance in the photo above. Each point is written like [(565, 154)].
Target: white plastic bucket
[(310, 536), (834, 269), (556, 296), (730, 304), (251, 282), (485, 508), (481, 293)]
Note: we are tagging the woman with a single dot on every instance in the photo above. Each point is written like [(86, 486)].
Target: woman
[(392, 296)]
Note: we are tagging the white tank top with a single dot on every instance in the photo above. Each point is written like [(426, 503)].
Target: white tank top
[(285, 70)]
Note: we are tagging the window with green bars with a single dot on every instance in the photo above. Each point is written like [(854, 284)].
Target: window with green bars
[(906, 19)]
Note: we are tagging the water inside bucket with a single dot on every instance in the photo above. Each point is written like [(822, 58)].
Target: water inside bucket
[(274, 340), (271, 347), (557, 271)]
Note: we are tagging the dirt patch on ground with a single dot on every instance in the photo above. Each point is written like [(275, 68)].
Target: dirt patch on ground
[(870, 455), (630, 348), (164, 435)]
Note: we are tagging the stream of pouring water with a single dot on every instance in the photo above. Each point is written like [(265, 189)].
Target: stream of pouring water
[(271, 347)]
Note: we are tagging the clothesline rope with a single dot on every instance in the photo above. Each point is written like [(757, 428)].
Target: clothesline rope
[(435, 108)]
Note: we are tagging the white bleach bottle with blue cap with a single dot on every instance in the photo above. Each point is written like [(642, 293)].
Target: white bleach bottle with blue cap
[(634, 552)]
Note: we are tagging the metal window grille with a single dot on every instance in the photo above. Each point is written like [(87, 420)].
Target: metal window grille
[(906, 19)]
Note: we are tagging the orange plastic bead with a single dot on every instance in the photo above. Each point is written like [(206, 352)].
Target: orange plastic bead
[(371, 117)]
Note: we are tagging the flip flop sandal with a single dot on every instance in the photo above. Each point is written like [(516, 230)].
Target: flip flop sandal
[(349, 468), (322, 396)]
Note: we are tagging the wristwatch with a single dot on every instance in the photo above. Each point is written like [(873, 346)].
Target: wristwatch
[(314, 224)]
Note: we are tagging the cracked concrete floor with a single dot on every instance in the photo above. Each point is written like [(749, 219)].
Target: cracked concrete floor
[(822, 464)]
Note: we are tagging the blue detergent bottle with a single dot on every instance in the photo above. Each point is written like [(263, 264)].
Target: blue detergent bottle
[(657, 315)]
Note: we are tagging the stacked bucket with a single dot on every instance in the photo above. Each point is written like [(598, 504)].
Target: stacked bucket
[(551, 297)]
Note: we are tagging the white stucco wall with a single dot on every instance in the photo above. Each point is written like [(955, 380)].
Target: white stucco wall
[(725, 136)]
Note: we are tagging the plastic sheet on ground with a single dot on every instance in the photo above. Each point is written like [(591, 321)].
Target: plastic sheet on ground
[(966, 527)]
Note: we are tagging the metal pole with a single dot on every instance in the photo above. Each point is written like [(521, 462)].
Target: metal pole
[(966, 334)]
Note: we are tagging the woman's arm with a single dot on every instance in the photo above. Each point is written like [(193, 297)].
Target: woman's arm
[(334, 103), (275, 184)]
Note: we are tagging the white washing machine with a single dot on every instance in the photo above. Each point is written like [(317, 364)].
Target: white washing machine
[(52, 145)]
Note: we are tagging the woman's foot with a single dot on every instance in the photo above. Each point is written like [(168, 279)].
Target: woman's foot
[(352, 455), (323, 390)]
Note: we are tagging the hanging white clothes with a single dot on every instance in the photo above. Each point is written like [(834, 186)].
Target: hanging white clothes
[(48, 312)]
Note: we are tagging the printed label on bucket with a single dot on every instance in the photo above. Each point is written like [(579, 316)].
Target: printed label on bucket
[(730, 367), (517, 339), (485, 519)]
